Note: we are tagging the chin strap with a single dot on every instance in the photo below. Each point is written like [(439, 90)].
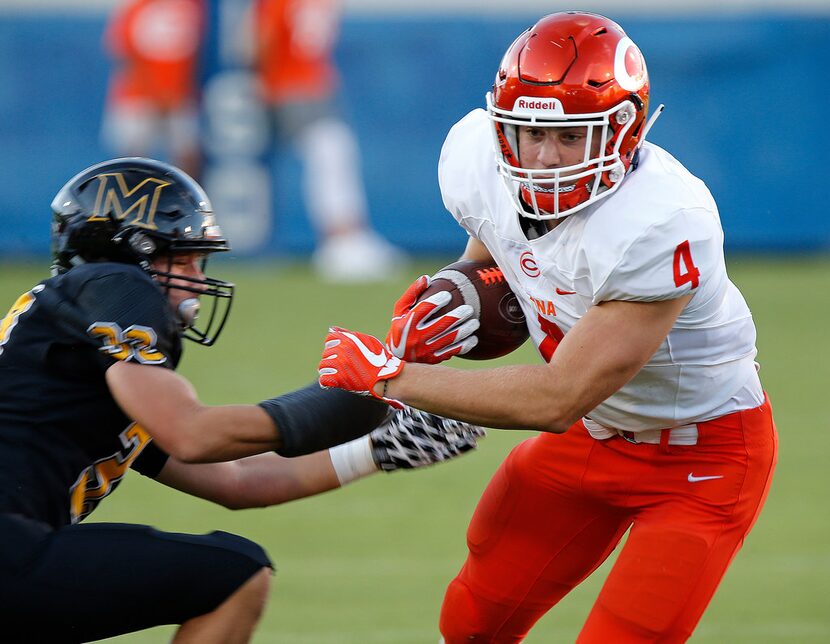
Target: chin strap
[(651, 121)]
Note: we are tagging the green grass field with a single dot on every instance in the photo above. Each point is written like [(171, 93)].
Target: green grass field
[(369, 563)]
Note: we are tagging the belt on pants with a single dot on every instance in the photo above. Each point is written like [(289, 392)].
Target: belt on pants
[(682, 435)]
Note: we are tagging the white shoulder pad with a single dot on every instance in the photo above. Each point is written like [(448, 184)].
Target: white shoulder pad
[(466, 164), (668, 260)]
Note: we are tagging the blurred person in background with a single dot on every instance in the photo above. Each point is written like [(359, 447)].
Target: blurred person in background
[(90, 391), (152, 105), (293, 42), (654, 421)]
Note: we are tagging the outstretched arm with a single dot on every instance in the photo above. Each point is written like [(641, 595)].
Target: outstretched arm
[(602, 352), (296, 423), (252, 482), (166, 405), (407, 439)]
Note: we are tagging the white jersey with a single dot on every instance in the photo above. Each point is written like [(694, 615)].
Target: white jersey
[(658, 237)]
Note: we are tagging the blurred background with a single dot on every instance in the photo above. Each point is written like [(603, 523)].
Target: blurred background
[(746, 85)]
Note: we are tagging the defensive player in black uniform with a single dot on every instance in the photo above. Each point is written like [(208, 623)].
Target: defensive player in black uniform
[(87, 362)]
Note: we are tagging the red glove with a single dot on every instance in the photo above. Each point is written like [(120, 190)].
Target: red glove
[(417, 336), (357, 362)]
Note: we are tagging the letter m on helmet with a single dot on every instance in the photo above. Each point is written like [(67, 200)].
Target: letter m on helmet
[(116, 200)]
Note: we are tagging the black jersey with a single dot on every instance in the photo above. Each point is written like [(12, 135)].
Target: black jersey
[(64, 442)]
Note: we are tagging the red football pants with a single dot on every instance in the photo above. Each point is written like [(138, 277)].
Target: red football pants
[(559, 505)]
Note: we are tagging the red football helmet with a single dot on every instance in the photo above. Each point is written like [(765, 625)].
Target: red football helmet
[(570, 70)]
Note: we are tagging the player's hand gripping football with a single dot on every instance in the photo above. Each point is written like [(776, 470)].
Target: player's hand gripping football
[(417, 335), (357, 362), (410, 438)]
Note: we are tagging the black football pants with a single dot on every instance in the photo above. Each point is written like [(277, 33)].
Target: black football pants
[(90, 581)]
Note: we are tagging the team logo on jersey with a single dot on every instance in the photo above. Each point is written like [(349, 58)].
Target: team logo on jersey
[(116, 199), (528, 263)]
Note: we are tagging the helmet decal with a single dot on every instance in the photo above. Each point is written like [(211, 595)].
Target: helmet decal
[(577, 72), (143, 212), (115, 197), (629, 66)]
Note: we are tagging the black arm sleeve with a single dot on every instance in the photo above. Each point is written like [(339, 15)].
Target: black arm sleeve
[(151, 461), (312, 418)]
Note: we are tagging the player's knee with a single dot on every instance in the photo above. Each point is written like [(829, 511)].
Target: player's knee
[(672, 570), (256, 591), (252, 569), (247, 603), (460, 615), (249, 551)]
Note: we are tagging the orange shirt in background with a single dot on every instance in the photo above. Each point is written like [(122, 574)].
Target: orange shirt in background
[(294, 40), (156, 45)]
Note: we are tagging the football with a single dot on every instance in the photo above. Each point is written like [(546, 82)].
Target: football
[(482, 286)]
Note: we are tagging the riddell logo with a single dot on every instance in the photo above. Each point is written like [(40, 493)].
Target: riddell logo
[(533, 104), (536, 105)]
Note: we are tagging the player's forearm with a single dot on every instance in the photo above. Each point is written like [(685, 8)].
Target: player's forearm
[(256, 481), (513, 397), (269, 479)]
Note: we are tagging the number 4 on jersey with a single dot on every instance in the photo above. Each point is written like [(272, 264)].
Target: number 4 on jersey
[(554, 337), (683, 262)]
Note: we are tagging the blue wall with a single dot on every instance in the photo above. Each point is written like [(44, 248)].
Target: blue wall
[(745, 95)]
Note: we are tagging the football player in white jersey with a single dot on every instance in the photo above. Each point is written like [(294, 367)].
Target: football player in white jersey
[(652, 415)]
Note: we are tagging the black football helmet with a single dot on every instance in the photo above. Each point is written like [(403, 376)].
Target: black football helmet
[(135, 210)]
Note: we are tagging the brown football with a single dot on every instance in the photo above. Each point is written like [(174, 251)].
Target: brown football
[(482, 286)]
